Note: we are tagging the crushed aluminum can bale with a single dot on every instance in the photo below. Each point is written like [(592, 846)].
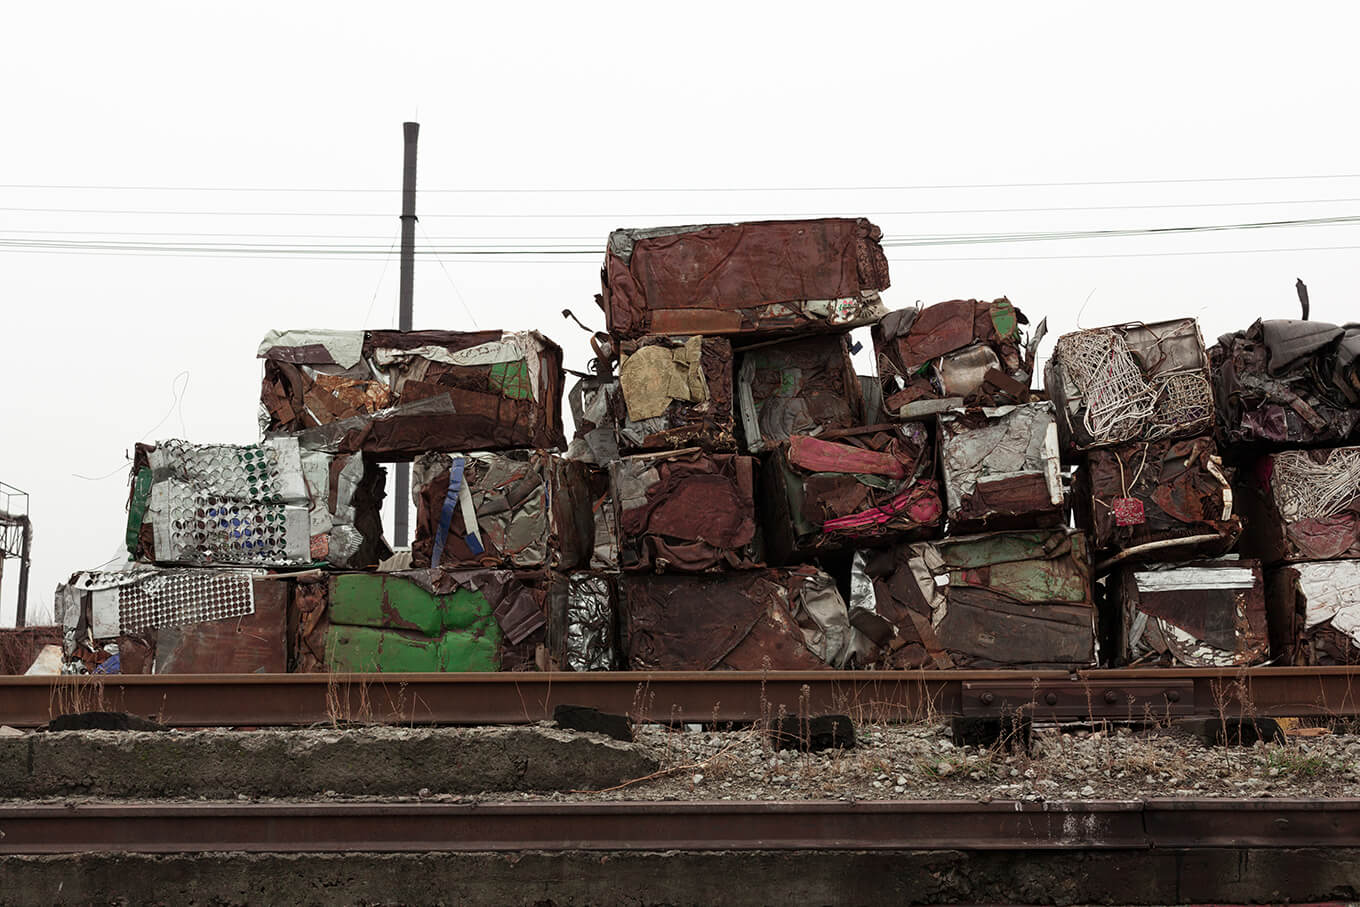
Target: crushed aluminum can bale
[(1302, 505), (766, 277), (518, 508), (420, 620), (677, 392), (857, 487), (686, 511), (1203, 614), (806, 386), (1314, 611), (1000, 468), (1154, 493), (1288, 382), (965, 351), (219, 505), (1003, 600), (583, 622), (771, 619), (401, 393), (1130, 382)]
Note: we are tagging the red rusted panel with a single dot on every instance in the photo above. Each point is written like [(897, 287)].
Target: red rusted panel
[(760, 277), (1288, 382), (970, 352), (1199, 615), (1302, 505), (857, 487), (676, 392), (1130, 382), (254, 644), (686, 511), (806, 386), (1134, 494), (1005, 600)]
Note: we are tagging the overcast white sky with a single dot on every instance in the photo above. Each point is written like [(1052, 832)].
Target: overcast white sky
[(866, 100)]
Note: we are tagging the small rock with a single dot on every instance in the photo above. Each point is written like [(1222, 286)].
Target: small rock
[(423, 792), (698, 778), (7, 731), (1088, 791), (944, 769)]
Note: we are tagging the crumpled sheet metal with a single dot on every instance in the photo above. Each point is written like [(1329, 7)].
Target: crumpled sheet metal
[(508, 493), (220, 504), (806, 386), (413, 391), (423, 620), (776, 619), (1207, 614), (676, 392), (1002, 600), (583, 622), (596, 408), (965, 351), (1288, 382), (1135, 494), (1302, 505), (1001, 468), (750, 278), (1315, 612), (346, 492), (686, 511), (858, 487), (1130, 382)]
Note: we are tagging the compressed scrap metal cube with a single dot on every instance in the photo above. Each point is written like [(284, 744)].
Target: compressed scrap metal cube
[(751, 278), (515, 508), (1001, 468), (420, 620), (583, 621), (398, 394), (677, 392), (858, 487), (686, 511), (596, 409), (1205, 614), (1130, 382), (1004, 600), (1314, 611), (1288, 382), (964, 352), (1302, 505), (797, 387), (220, 504), (752, 620), (145, 620), (1141, 498)]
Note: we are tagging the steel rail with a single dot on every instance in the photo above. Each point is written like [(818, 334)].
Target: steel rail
[(258, 700), (649, 826)]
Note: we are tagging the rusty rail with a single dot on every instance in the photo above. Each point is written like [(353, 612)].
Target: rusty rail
[(652, 826), (255, 700)]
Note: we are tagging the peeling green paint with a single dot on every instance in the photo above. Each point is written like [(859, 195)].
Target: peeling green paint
[(394, 602)]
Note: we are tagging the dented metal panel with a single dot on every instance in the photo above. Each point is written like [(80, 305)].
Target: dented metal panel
[(414, 391), (1288, 382), (753, 620), (1137, 494), (1004, 600), (686, 511), (1130, 382), (964, 351), (1201, 615), (805, 386), (583, 622), (1302, 505), (676, 392), (1315, 612), (860, 486), (760, 277), (1001, 468), (255, 643)]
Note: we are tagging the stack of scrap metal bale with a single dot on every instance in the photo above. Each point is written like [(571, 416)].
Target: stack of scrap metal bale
[(1289, 412), (1135, 410)]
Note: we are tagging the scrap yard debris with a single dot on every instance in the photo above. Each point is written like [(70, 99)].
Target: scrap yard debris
[(736, 497)]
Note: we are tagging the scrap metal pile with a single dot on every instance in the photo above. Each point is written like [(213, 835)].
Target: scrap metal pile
[(736, 497)]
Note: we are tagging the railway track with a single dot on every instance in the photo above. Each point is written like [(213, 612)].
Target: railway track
[(254, 700), (309, 827)]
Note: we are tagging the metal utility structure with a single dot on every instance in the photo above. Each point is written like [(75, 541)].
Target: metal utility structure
[(410, 132), (16, 541)]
